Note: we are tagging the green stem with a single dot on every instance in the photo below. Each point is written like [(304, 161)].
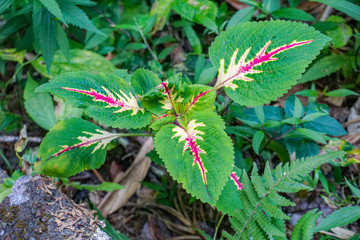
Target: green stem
[(135, 134), (17, 71), (6, 162), (217, 226)]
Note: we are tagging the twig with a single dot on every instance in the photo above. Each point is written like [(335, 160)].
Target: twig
[(355, 120), (326, 13), (285, 133), (96, 172), (12, 139)]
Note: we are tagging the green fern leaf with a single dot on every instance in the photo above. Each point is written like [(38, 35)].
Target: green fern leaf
[(304, 228), (262, 217)]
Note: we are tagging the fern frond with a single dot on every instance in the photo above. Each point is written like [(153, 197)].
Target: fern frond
[(262, 216)]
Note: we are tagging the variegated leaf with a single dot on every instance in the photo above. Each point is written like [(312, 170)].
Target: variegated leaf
[(193, 156), (105, 97), (72, 146), (167, 96), (229, 200), (260, 61)]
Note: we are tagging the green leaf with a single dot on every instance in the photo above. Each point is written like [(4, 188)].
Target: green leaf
[(262, 66), (192, 37), (312, 116), (310, 134), (271, 5), (298, 108), (307, 92), (323, 67), (74, 15), (44, 33), (54, 8), (256, 142), (341, 93), (105, 97), (135, 46), (259, 111), (62, 41), (4, 192), (229, 201), (339, 218), (207, 22), (293, 14), (326, 124), (11, 54), (304, 227), (80, 60), (344, 6), (105, 186), (340, 35), (3, 6), (161, 8), (207, 75), (193, 156), (242, 15), (39, 106), (353, 188), (144, 80), (190, 9), (72, 146)]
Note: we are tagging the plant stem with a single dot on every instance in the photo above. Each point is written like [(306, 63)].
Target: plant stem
[(16, 72), (148, 47), (135, 134), (217, 226), (6, 162)]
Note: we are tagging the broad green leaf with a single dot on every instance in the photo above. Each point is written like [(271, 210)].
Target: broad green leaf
[(44, 32), (243, 15), (312, 116), (144, 80), (11, 54), (207, 75), (271, 5), (340, 35), (54, 8), (304, 227), (326, 124), (192, 37), (189, 9), (105, 97), (263, 65), (3, 6), (259, 111), (80, 60), (4, 191), (341, 93), (257, 140), (12, 26), (193, 156), (74, 15), (312, 135), (344, 6), (298, 108), (293, 14), (39, 106), (66, 111), (72, 146), (229, 201), (161, 8), (353, 188), (105, 186), (339, 218)]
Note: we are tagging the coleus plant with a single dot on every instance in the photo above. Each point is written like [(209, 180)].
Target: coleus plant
[(257, 63)]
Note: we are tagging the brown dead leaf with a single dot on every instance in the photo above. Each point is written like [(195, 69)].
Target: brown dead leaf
[(236, 4), (20, 145), (130, 179)]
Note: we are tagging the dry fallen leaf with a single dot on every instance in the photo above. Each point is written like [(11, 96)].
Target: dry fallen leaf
[(20, 145), (131, 179)]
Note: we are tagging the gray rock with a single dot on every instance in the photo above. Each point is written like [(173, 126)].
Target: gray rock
[(37, 210)]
